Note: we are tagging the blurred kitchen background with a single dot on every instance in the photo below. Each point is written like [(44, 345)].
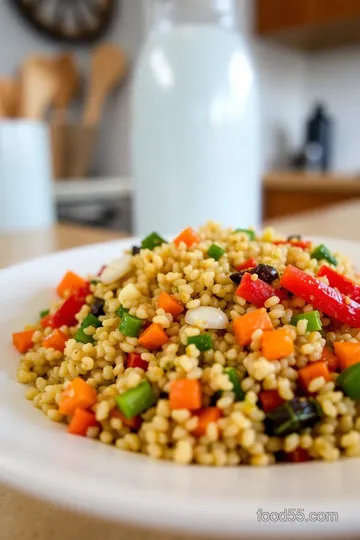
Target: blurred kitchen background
[(307, 59)]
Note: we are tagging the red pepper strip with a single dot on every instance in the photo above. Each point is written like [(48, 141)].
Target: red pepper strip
[(304, 244), (321, 296), (255, 292), (250, 263), (342, 283), (134, 360), (65, 315)]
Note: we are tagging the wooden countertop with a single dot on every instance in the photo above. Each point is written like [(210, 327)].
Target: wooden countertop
[(23, 518), (311, 182)]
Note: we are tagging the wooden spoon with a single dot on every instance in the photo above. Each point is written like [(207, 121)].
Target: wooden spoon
[(9, 92), (108, 67), (68, 77), (39, 84)]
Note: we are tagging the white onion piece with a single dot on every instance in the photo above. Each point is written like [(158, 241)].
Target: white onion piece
[(207, 317), (116, 269)]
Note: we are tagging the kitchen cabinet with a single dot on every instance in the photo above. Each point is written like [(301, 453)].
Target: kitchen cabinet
[(309, 24), (286, 193)]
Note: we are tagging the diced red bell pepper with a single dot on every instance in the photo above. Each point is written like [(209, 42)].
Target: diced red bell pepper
[(83, 291), (342, 283), (298, 456), (132, 423), (329, 357), (134, 360), (65, 315), (45, 321), (255, 292), (270, 399), (249, 263), (303, 244), (321, 296)]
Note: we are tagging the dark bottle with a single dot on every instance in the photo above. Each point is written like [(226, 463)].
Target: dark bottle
[(318, 146)]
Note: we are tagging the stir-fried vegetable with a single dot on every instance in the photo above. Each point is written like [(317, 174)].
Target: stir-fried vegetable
[(249, 263), (205, 417), (66, 313), (97, 307), (293, 416), (234, 379), (44, 313), (349, 381), (312, 371), (249, 232), (78, 394), (132, 423), (153, 337), (348, 353), (270, 399), (90, 320), (23, 340), (169, 304), (70, 283), (130, 325), (255, 291), (187, 236), (298, 456), (265, 272), (207, 317), (135, 250), (342, 283), (56, 340), (134, 360), (122, 310), (136, 400), (321, 296), (293, 243), (311, 317), (202, 342), (216, 252), (185, 394), (321, 253), (81, 422), (152, 241), (329, 357), (245, 326), (277, 344)]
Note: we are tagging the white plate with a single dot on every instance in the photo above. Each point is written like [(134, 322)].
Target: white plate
[(39, 456)]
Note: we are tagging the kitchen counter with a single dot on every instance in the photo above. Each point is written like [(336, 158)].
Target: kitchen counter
[(24, 518), (290, 192)]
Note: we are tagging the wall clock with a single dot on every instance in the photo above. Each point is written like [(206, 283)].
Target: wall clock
[(68, 21)]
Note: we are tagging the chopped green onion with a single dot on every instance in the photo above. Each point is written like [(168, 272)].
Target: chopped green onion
[(249, 232), (136, 400), (234, 379), (293, 416), (44, 312), (130, 325), (80, 335), (312, 318), (202, 343), (152, 241), (122, 310), (321, 253), (349, 381), (216, 252)]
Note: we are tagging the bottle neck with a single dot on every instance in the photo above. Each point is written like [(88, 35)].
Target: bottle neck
[(168, 13)]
